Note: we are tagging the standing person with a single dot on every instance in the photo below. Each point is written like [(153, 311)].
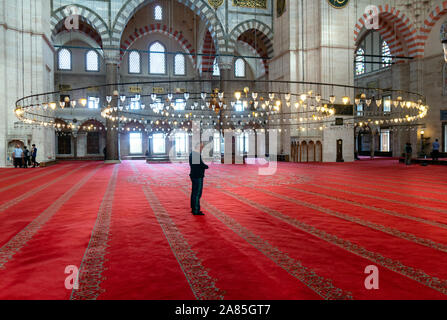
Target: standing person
[(26, 157), (197, 174), (17, 155), (435, 153), (34, 155), (105, 153), (408, 153)]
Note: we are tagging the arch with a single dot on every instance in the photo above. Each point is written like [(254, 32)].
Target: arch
[(394, 19), (265, 30), (434, 16), (63, 37), (93, 19), (311, 152), (303, 152), (162, 29), (259, 66), (201, 8), (319, 152), (209, 53)]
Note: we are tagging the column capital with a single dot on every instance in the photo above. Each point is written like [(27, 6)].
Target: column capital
[(225, 62), (111, 55)]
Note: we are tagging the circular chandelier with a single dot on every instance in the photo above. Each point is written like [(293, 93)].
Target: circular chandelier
[(167, 105)]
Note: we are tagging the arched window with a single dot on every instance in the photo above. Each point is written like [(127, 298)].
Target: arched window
[(359, 62), (134, 62), (157, 58), (239, 68), (92, 61), (179, 65), (158, 13), (64, 59), (386, 52), (216, 70)]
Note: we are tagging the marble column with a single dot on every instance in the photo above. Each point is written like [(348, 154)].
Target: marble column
[(112, 78)]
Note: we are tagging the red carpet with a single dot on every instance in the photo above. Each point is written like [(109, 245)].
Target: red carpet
[(307, 232)]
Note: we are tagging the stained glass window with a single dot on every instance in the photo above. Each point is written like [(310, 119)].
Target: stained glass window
[(134, 62), (158, 13), (157, 58), (360, 62), (64, 59), (239, 68), (386, 55), (216, 70), (92, 61), (179, 65)]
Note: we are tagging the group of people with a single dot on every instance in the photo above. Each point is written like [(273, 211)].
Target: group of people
[(24, 158), (434, 153)]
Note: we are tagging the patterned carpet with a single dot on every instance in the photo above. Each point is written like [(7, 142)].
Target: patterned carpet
[(306, 232)]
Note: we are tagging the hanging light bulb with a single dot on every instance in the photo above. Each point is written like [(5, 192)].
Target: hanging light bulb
[(363, 96), (170, 96), (271, 96), (62, 104), (237, 95), (115, 93), (368, 102), (203, 95), (53, 105), (332, 99), (254, 95), (123, 98), (186, 96), (83, 102), (153, 96), (357, 101), (73, 103), (303, 97), (287, 96), (379, 102), (109, 99)]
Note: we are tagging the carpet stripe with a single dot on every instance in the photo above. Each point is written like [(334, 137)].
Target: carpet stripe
[(393, 265), (14, 245), (22, 182), (92, 265), (322, 286), (32, 192), (202, 285)]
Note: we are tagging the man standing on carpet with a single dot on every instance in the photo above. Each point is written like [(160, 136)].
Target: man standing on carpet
[(408, 153), (197, 174), (34, 155), (17, 155), (435, 153)]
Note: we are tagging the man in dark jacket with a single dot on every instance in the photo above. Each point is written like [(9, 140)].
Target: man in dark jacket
[(26, 157), (408, 153), (197, 174), (34, 156)]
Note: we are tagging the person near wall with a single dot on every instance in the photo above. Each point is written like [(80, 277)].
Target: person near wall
[(435, 152), (408, 153), (34, 156), (17, 155), (197, 175), (105, 153), (26, 157)]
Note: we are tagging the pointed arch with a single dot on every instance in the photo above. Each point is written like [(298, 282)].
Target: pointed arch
[(264, 31)]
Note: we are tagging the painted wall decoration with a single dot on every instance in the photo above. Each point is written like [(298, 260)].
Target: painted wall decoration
[(215, 3), (338, 3), (280, 7), (258, 4)]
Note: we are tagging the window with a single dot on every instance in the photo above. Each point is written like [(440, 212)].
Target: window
[(216, 70), (239, 106), (92, 142), (243, 142), (360, 62), (134, 62), (239, 68), (179, 65), (180, 104), (158, 13), (216, 141), (64, 59), (93, 103), (157, 58), (181, 143), (387, 104), (92, 61), (386, 52), (158, 143), (64, 144), (135, 143), (385, 140), (135, 104), (360, 110)]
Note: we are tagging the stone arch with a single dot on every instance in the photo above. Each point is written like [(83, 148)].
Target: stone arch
[(394, 20), (266, 34), (258, 65), (93, 19), (303, 152), (201, 8), (434, 16), (311, 152), (162, 29)]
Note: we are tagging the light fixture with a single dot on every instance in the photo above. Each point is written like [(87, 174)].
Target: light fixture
[(346, 100), (83, 102), (332, 99), (237, 95)]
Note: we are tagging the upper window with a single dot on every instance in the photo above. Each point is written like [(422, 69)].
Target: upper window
[(158, 13), (64, 59), (179, 105), (239, 68), (386, 55), (360, 110), (216, 70), (360, 62), (92, 61), (179, 65), (157, 58), (135, 104), (239, 106), (93, 102), (134, 62), (386, 104)]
